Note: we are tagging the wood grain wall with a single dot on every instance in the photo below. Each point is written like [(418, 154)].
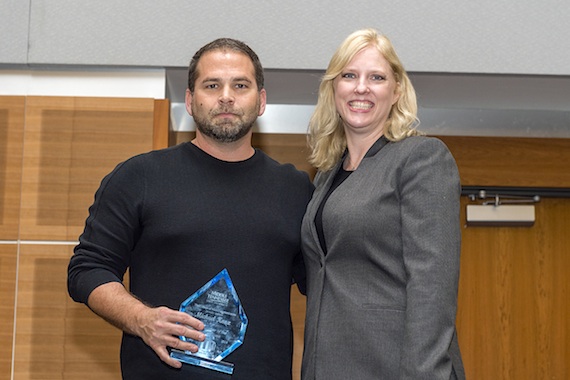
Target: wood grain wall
[(514, 297), (8, 265), (513, 300), (54, 152), (507, 161), (11, 144)]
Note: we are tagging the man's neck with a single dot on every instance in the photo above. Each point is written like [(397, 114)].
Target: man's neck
[(232, 152)]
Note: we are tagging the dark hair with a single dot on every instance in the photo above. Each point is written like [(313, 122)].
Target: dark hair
[(225, 44)]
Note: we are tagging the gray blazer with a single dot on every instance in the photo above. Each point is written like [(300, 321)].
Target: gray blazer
[(382, 303)]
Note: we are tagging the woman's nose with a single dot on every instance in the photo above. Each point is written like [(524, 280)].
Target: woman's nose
[(361, 87)]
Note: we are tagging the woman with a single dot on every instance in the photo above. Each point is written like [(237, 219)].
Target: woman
[(381, 236)]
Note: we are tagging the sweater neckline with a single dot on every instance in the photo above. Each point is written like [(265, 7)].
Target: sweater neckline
[(195, 149)]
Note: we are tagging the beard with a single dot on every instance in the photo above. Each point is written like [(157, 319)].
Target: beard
[(226, 130)]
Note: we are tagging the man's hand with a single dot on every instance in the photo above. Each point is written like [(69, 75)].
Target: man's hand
[(159, 327)]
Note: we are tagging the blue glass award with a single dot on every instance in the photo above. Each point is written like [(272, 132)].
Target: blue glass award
[(217, 305)]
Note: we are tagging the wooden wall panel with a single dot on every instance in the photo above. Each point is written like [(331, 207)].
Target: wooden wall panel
[(8, 260), (285, 148), (513, 307), (57, 338), (161, 123), (491, 161), (53, 164), (69, 145), (508, 161), (11, 144), (514, 293), (514, 299), (298, 308)]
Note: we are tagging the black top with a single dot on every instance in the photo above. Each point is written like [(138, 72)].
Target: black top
[(339, 178), (177, 217)]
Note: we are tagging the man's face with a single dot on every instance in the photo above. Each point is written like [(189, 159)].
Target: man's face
[(225, 102)]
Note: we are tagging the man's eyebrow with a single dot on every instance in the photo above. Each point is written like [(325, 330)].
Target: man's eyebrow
[(213, 79), (235, 79), (241, 79)]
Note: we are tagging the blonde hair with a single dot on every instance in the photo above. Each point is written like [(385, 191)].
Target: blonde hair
[(326, 138)]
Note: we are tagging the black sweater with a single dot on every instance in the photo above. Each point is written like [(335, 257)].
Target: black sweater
[(177, 217)]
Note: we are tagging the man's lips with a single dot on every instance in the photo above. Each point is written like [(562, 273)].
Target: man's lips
[(225, 114)]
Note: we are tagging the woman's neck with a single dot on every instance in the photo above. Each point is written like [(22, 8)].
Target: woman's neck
[(358, 146)]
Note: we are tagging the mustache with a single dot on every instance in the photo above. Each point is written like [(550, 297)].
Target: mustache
[(231, 110)]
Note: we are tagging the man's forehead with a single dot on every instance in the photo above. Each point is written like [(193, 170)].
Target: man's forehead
[(225, 64)]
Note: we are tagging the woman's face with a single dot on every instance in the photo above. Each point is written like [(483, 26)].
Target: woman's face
[(365, 91)]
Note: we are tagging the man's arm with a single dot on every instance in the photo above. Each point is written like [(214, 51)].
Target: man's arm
[(158, 327)]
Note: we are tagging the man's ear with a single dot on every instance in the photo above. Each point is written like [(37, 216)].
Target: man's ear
[(262, 101), (188, 101)]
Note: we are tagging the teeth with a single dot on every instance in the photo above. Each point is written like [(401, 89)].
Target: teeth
[(361, 105)]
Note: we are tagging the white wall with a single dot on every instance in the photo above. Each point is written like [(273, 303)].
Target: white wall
[(487, 67), (103, 82), (484, 36)]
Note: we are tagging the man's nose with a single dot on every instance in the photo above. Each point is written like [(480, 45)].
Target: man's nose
[(227, 95)]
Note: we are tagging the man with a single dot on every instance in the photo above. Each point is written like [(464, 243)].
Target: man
[(176, 217)]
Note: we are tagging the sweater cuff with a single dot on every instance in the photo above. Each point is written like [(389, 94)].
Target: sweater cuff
[(88, 281)]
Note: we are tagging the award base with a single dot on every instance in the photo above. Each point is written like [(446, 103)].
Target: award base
[(220, 366)]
